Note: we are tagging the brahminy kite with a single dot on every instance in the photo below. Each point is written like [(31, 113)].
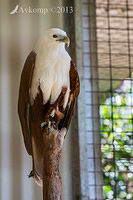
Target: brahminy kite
[(48, 90)]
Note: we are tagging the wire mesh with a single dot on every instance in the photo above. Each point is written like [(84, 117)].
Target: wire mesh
[(108, 78), (114, 30)]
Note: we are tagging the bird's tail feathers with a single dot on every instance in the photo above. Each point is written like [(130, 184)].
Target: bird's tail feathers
[(38, 180)]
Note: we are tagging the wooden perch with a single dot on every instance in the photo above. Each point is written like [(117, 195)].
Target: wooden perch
[(53, 143)]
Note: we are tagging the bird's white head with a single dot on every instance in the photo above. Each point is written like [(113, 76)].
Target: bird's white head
[(56, 36), (53, 37)]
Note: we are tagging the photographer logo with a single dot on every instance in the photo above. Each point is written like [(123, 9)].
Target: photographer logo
[(15, 10), (28, 10)]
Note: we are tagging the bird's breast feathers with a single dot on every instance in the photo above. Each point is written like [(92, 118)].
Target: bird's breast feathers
[(51, 74)]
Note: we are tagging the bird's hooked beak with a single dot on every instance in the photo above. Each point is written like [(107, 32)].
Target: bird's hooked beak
[(65, 39)]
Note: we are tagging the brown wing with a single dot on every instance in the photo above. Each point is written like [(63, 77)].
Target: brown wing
[(23, 100), (75, 89)]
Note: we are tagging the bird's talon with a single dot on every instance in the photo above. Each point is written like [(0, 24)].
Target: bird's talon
[(43, 124), (47, 125), (55, 125), (48, 131)]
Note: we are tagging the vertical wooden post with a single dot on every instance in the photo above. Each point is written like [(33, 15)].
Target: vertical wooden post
[(51, 177)]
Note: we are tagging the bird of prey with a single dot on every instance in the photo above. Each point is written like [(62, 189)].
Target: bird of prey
[(48, 90)]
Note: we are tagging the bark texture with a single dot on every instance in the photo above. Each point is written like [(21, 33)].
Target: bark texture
[(51, 176)]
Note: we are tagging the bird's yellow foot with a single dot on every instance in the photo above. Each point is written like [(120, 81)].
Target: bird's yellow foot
[(47, 125)]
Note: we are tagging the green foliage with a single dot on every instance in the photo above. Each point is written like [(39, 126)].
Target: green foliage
[(117, 146)]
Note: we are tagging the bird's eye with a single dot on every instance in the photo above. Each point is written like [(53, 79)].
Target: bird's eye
[(55, 36)]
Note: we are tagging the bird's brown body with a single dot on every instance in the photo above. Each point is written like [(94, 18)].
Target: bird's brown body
[(32, 116)]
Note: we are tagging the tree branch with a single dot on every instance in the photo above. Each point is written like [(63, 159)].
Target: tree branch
[(51, 177)]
